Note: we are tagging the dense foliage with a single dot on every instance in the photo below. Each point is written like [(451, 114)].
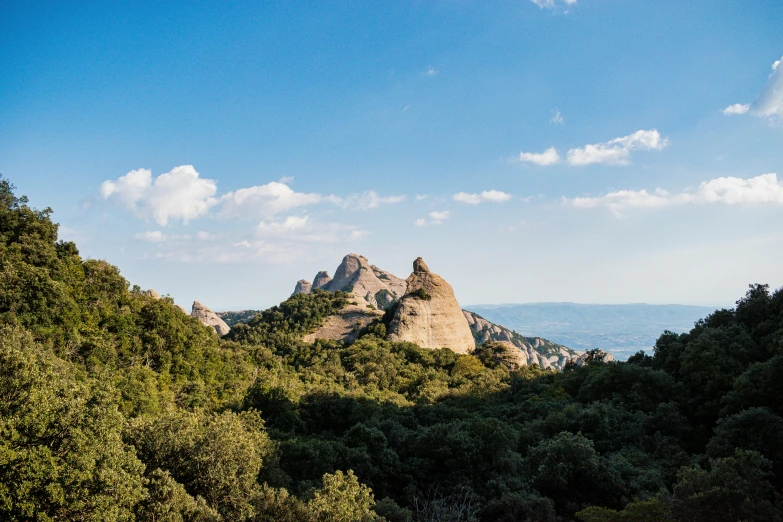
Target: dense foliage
[(118, 406)]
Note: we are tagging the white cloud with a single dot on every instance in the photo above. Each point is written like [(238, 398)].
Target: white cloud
[(153, 236), (618, 150), (557, 118), (550, 4), (760, 190), (439, 216), (302, 229), (286, 180), (180, 194), (612, 152), (355, 235), (548, 157), (204, 236), (420, 197), (436, 217), (492, 196), (365, 201), (264, 201), (431, 71), (737, 108), (769, 104)]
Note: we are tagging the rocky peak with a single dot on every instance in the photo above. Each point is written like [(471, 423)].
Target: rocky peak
[(429, 315), (209, 318), (321, 279), (420, 266), (367, 282), (347, 272), (303, 287)]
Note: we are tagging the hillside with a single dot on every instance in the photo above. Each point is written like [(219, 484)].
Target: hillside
[(622, 330), (117, 406)]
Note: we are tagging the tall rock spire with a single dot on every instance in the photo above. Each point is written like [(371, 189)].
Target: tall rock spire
[(429, 315)]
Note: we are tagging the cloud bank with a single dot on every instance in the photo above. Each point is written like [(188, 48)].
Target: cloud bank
[(182, 195), (760, 190)]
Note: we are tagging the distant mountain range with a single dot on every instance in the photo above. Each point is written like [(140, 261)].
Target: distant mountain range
[(622, 330)]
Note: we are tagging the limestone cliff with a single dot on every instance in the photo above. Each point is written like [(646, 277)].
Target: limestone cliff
[(209, 318), (429, 315)]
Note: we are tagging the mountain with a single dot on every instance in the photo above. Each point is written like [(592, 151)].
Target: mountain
[(619, 329), (423, 311)]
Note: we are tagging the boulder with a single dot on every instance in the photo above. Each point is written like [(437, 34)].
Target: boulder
[(209, 318), (429, 315)]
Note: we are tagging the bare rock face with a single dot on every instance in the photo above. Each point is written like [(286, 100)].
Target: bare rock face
[(429, 315), (346, 324), (303, 287), (367, 282), (209, 318), (321, 280), (184, 310)]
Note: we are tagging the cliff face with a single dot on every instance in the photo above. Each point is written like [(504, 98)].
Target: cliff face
[(209, 318), (429, 315)]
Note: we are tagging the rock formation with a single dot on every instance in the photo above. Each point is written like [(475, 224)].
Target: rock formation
[(527, 350), (209, 318), (367, 282), (429, 315), (321, 280), (303, 287)]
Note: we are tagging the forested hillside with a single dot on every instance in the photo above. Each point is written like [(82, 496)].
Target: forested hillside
[(115, 406)]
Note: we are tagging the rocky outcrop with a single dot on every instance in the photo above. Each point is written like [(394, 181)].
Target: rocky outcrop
[(367, 282), (151, 293), (528, 350), (346, 324), (209, 318), (321, 280), (184, 310), (303, 286), (429, 315)]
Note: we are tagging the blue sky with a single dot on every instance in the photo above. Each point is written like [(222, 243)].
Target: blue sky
[(590, 150)]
